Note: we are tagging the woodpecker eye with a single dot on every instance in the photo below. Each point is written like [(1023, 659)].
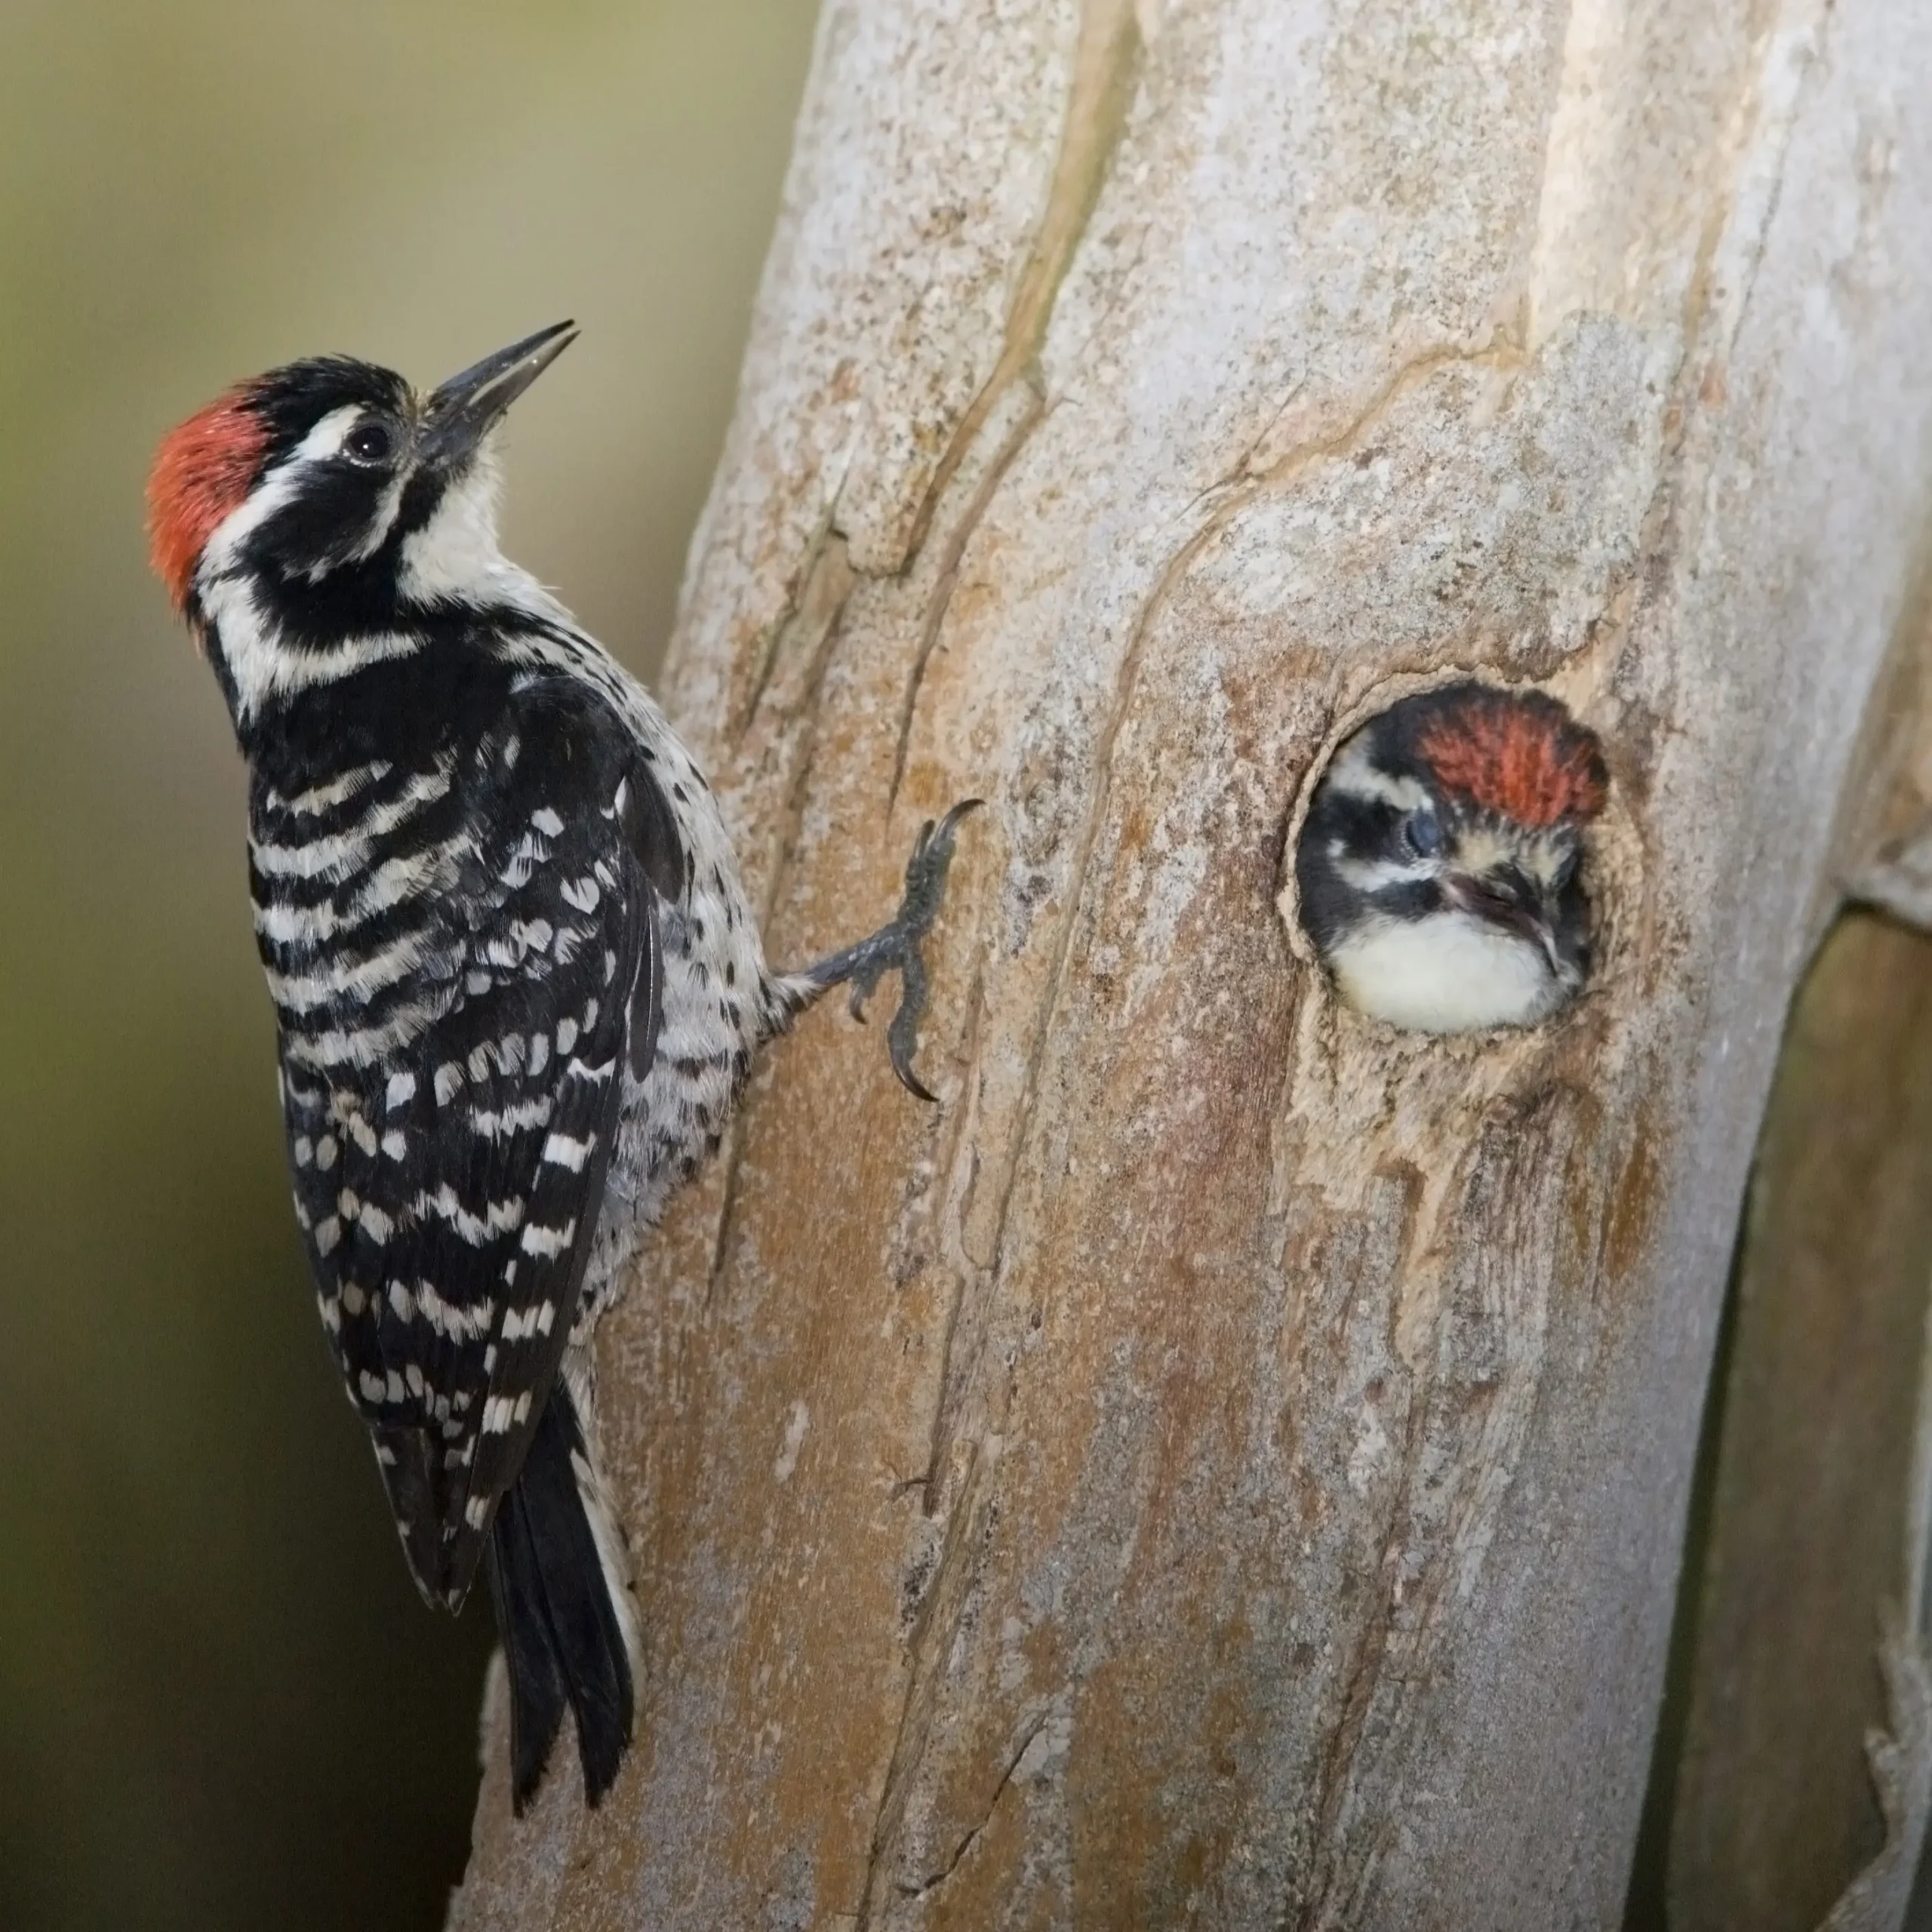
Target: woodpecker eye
[(369, 442), (1423, 832)]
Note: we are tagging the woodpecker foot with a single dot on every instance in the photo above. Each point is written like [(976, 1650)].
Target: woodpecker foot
[(895, 948)]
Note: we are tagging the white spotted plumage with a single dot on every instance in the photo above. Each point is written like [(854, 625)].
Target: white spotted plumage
[(518, 981)]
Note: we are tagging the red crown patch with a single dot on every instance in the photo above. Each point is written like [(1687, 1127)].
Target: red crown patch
[(1524, 757), (202, 473)]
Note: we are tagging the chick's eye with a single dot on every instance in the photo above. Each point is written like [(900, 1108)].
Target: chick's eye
[(369, 442), (1423, 832)]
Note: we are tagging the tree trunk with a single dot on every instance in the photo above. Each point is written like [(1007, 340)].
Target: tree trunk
[(1225, 1465)]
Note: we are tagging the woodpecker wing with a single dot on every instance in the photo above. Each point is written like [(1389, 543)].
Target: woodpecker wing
[(452, 1070)]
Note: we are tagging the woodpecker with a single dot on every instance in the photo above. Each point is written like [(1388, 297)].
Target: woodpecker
[(1439, 869), (517, 981)]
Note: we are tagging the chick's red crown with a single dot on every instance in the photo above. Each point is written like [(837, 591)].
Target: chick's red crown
[(1520, 755)]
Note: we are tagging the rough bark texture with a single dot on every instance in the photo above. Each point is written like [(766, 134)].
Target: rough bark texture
[(1227, 1465)]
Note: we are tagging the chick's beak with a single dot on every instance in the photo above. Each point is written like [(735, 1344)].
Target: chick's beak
[(1513, 905), (468, 407)]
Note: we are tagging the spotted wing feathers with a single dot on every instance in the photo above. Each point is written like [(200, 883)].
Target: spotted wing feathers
[(450, 1126)]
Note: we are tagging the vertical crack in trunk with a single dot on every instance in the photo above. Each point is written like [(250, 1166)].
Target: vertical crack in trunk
[(948, 574), (1104, 66)]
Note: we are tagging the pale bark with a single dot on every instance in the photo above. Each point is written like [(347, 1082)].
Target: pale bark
[(1227, 1465)]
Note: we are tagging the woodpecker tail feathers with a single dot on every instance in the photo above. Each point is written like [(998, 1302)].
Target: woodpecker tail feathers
[(560, 1581)]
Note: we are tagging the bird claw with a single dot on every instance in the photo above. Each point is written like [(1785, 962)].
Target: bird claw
[(925, 890), (893, 949)]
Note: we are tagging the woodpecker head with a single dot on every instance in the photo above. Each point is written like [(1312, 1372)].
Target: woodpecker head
[(1439, 867), (316, 507)]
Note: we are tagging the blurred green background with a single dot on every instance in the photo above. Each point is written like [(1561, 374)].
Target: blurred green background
[(221, 1703)]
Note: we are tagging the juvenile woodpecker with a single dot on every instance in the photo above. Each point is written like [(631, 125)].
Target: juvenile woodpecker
[(517, 983), (1439, 866)]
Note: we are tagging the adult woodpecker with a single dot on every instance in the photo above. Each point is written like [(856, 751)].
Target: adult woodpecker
[(1439, 869), (517, 983)]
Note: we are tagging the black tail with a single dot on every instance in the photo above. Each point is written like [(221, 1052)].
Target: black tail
[(563, 1608)]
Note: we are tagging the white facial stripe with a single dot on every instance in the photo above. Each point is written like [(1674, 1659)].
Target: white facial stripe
[(387, 505), (325, 440), (1371, 874), (262, 665), (274, 493), (1355, 774), (279, 487), (327, 437)]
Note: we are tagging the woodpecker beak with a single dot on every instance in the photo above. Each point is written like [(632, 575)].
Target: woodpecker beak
[(469, 406), (1503, 903)]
